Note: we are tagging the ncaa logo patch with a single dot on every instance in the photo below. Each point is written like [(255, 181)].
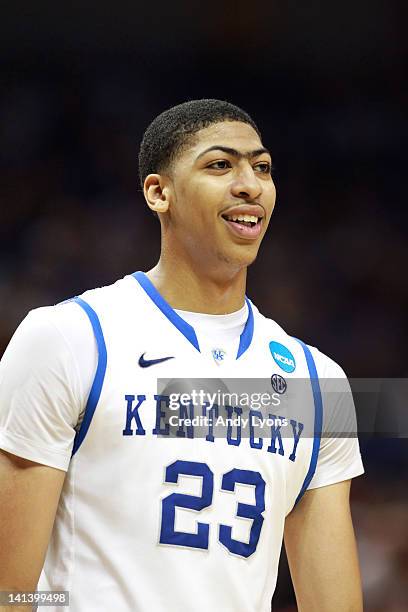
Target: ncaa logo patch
[(282, 357), (278, 383)]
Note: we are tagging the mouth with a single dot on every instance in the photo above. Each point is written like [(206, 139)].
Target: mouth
[(247, 220), (244, 225)]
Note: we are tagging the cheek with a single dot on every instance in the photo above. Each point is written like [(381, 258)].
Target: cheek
[(271, 197), (203, 199)]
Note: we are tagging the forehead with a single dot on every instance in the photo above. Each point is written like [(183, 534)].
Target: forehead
[(234, 134)]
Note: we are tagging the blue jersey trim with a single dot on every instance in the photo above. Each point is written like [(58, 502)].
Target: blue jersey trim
[(96, 388), (248, 331), (185, 328), (318, 405), (182, 325)]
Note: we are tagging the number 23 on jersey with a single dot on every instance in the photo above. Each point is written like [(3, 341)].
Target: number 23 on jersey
[(252, 512)]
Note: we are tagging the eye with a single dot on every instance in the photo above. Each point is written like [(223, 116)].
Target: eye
[(221, 164), (264, 167)]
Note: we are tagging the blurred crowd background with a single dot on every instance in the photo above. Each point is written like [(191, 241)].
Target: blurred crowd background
[(326, 83)]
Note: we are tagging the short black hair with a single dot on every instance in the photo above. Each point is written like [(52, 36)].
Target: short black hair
[(173, 129)]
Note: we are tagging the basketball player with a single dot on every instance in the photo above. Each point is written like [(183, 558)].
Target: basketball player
[(98, 498)]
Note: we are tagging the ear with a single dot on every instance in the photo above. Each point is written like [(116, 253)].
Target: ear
[(156, 193)]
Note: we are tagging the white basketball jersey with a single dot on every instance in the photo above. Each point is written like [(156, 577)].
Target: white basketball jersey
[(154, 517)]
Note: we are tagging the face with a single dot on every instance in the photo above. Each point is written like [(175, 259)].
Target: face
[(219, 196)]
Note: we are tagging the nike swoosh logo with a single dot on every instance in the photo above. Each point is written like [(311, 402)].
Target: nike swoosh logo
[(146, 363)]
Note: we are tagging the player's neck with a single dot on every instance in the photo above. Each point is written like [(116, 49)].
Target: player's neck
[(185, 288)]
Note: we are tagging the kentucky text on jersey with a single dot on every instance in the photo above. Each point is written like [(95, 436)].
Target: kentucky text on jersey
[(232, 425)]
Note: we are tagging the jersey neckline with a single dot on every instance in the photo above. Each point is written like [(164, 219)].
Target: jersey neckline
[(185, 328)]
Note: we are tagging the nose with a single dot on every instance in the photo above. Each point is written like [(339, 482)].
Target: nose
[(246, 184)]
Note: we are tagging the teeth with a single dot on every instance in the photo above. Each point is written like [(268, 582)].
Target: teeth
[(249, 218)]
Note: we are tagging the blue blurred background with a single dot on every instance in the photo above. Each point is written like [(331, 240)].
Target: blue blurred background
[(326, 83)]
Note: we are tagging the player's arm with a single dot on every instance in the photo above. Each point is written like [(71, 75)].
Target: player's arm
[(29, 494), (321, 550), (40, 399)]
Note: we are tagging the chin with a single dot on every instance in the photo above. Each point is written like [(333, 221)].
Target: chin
[(241, 256)]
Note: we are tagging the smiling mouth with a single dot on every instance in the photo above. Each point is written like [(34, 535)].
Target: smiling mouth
[(244, 226), (247, 220)]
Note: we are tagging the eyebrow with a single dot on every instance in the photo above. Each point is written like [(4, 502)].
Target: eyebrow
[(234, 152)]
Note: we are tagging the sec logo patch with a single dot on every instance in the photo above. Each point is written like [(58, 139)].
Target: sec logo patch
[(282, 357), (278, 383)]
